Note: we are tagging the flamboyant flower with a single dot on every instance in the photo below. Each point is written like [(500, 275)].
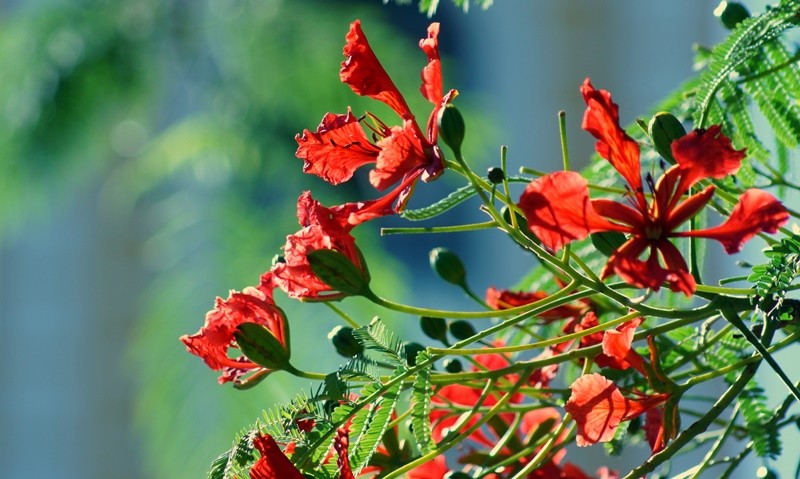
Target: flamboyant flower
[(558, 208), (216, 337), (505, 299), (598, 406), (273, 463), (340, 145)]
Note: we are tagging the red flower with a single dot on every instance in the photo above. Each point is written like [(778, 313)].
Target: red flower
[(215, 338), (340, 145), (598, 406), (505, 299), (322, 228), (558, 208), (273, 463), (433, 469)]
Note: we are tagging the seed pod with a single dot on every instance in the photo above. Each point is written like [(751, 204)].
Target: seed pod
[(448, 266), (345, 343), (461, 329), (453, 366), (434, 328)]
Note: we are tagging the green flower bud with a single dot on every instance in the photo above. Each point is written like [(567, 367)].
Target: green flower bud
[(461, 329), (663, 129), (261, 346), (345, 343), (448, 266), (411, 350), (766, 473), (434, 328), (339, 272), (731, 13), (453, 366), (451, 127), (495, 175)]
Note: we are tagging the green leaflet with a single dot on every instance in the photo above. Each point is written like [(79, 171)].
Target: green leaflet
[(377, 337), (421, 409), (758, 420), (741, 47), (773, 279), (453, 199)]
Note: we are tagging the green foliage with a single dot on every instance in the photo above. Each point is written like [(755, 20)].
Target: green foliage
[(421, 407), (453, 199), (773, 279), (758, 419), (429, 7), (377, 337)]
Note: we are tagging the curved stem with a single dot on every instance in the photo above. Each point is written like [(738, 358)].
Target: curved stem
[(349, 320), (439, 229)]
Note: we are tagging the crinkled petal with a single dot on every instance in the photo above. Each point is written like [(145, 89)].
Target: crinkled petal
[(756, 211), (620, 213), (705, 154), (216, 337), (401, 153), (273, 463), (365, 75), (431, 87), (559, 211), (337, 149), (625, 262), (598, 407), (602, 121)]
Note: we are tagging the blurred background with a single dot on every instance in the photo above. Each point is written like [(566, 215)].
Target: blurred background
[(147, 165)]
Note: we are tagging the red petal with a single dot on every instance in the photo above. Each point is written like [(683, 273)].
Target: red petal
[(323, 228), (505, 299), (619, 212), (431, 87), (215, 338), (365, 75), (598, 407), (690, 207), (617, 346), (558, 209), (602, 121), (341, 443), (434, 469), (756, 211), (650, 274), (705, 154), (273, 463), (401, 153), (337, 149), (654, 429)]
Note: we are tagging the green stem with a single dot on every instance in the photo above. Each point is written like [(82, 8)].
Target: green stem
[(449, 444), (305, 374), (698, 426), (717, 445), (349, 320), (506, 190), (562, 132), (439, 229)]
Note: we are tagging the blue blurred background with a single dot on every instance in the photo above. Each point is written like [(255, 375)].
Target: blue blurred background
[(147, 159)]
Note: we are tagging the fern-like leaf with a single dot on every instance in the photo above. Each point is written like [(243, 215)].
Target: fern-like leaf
[(421, 408), (453, 199)]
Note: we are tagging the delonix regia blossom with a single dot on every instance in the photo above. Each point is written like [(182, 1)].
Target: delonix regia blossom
[(403, 153), (548, 364), (559, 210)]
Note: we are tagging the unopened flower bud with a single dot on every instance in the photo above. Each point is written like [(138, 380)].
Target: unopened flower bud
[(663, 129), (345, 343), (411, 350), (434, 328), (461, 329), (495, 175), (451, 127), (453, 366), (731, 13), (448, 266)]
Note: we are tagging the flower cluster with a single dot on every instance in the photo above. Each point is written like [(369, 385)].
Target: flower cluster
[(508, 415)]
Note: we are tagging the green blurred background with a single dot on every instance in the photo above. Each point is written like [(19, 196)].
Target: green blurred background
[(147, 165)]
